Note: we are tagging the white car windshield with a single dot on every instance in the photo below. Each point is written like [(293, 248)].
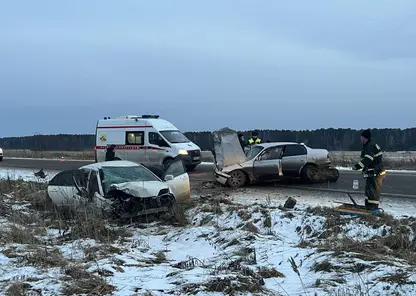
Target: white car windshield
[(253, 152), (175, 136), (117, 175)]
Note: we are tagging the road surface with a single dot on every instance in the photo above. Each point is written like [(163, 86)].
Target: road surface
[(395, 184)]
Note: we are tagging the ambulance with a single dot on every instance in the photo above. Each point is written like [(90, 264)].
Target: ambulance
[(145, 139)]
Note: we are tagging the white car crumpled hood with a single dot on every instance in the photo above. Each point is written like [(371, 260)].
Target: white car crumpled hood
[(140, 189), (228, 150)]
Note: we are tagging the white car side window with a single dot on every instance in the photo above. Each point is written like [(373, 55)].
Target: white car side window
[(176, 169)]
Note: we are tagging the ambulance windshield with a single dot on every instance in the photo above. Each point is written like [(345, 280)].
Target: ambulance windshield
[(175, 136)]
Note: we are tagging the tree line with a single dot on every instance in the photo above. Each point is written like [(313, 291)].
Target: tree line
[(331, 139)]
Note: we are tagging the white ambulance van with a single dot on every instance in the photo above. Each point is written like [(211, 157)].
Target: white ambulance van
[(145, 139)]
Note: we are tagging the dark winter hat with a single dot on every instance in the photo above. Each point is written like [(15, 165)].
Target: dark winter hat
[(240, 135), (366, 134), (254, 134)]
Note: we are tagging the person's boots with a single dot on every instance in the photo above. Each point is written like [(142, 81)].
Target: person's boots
[(370, 206)]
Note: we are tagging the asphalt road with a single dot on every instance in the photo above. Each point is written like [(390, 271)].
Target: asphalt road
[(395, 184)]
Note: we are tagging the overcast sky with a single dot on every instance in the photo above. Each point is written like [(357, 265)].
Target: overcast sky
[(242, 64)]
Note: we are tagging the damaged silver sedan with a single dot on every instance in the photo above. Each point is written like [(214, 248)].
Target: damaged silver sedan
[(122, 188), (268, 162)]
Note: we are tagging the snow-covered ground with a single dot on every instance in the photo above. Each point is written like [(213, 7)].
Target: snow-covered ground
[(236, 240), (25, 174)]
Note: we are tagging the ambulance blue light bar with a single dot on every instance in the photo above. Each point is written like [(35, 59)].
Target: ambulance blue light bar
[(107, 117), (150, 116)]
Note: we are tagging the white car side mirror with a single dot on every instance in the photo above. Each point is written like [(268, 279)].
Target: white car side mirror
[(169, 177)]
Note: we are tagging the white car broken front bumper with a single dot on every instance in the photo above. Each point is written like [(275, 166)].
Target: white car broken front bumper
[(221, 177)]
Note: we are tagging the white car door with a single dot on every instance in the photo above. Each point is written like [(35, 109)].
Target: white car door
[(62, 189), (180, 184), (96, 202)]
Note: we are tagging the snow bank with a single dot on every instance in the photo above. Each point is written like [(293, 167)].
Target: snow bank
[(242, 239)]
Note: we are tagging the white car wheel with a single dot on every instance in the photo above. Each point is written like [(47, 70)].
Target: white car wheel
[(237, 178)]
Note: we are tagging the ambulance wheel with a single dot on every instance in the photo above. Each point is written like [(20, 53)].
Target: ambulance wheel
[(237, 178)]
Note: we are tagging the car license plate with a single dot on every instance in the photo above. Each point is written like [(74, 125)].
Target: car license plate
[(196, 158)]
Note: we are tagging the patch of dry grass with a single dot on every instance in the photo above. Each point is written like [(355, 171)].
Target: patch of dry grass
[(244, 214), (160, 257), (44, 257), (96, 227), (267, 223), (17, 289), (399, 278), (325, 266), (93, 253), (333, 221), (234, 285), (270, 273), (249, 226), (398, 244), (76, 272), (19, 235), (178, 212), (21, 190), (87, 284)]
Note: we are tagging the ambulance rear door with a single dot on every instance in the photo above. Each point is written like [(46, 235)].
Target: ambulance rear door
[(110, 132), (135, 144)]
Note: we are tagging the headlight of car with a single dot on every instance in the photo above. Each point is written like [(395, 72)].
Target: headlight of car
[(183, 152)]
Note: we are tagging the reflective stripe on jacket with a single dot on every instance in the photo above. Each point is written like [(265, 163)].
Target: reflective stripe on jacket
[(371, 162), (251, 141)]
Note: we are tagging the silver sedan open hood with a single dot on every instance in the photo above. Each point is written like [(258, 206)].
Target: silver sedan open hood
[(228, 150)]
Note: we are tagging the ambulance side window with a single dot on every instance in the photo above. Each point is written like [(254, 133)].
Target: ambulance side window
[(134, 138), (156, 139)]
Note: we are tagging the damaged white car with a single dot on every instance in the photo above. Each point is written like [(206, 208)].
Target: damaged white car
[(122, 188), (268, 162)]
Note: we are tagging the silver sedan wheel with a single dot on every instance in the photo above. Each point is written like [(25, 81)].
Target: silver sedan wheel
[(237, 178)]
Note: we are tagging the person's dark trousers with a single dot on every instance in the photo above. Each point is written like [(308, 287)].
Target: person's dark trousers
[(373, 191)]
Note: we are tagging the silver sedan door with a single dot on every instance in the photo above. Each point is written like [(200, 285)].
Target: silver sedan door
[(293, 159), (267, 166)]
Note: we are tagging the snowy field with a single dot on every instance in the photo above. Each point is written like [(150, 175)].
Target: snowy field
[(221, 242), (392, 160), (25, 175)]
